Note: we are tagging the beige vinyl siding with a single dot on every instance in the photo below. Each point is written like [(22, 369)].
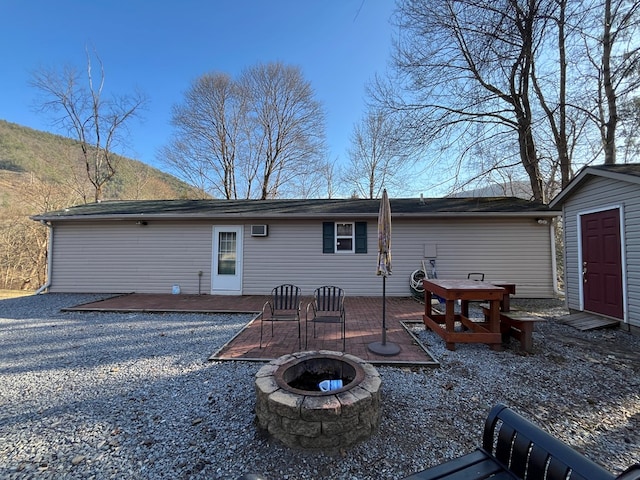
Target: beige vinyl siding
[(121, 257), (292, 253), (600, 193), (516, 250)]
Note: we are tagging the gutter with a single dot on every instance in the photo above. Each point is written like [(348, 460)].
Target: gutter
[(49, 257), (251, 216)]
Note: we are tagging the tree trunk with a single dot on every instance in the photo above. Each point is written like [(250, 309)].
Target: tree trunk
[(530, 161), (609, 133), (561, 142)]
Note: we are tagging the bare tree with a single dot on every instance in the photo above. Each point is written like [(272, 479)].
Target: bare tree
[(330, 173), (83, 111), (613, 47), (23, 243), (259, 136), (630, 128), (501, 88), (466, 67), (375, 159), (556, 112), (209, 127), (286, 123)]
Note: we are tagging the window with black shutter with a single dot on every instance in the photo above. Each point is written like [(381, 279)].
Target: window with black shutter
[(344, 237)]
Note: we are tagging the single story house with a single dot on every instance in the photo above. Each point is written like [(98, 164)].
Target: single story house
[(601, 217), (246, 247)]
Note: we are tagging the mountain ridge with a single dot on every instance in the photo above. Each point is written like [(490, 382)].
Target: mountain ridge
[(40, 172), (53, 159)]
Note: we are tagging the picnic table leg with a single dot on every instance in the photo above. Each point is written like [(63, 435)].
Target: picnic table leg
[(494, 321), (428, 310), (464, 308), (506, 302), (526, 336), (450, 321)]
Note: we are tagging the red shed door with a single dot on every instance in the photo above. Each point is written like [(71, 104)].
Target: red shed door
[(602, 263)]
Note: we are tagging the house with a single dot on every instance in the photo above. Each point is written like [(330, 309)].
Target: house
[(601, 216), (234, 247)]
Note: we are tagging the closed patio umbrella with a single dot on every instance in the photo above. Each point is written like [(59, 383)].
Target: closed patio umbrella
[(384, 269)]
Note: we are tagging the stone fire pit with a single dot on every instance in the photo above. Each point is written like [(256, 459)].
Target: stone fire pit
[(292, 409)]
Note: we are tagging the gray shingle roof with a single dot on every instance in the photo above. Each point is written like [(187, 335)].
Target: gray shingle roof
[(628, 172), (632, 169), (313, 208)]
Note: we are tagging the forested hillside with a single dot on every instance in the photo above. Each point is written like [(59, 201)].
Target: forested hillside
[(41, 172)]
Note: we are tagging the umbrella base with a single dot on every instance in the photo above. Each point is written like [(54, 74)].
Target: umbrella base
[(387, 349)]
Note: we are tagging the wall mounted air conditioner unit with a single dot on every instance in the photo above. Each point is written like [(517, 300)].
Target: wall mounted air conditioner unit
[(259, 230)]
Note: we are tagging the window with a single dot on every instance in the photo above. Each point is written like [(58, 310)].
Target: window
[(344, 237), (227, 253)]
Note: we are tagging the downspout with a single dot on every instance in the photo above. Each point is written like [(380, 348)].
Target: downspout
[(49, 257), (554, 263)]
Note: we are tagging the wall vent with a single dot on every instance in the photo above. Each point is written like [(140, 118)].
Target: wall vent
[(259, 230)]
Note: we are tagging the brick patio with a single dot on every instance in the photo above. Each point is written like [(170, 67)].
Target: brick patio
[(363, 326)]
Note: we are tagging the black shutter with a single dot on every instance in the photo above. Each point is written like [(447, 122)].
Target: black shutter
[(361, 237), (328, 240)]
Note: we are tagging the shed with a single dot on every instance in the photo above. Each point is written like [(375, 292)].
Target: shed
[(245, 247), (601, 217)]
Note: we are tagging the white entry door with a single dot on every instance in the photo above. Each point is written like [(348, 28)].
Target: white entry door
[(227, 260)]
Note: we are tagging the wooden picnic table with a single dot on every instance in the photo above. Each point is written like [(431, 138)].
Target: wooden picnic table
[(464, 290), (509, 289)]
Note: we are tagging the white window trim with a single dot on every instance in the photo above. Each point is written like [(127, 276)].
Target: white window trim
[(338, 237)]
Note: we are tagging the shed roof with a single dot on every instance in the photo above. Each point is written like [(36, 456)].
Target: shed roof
[(626, 172), (308, 208)]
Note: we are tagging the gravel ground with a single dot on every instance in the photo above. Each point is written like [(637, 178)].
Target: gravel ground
[(106, 395)]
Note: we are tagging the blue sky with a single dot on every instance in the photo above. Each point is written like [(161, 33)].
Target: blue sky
[(161, 46)]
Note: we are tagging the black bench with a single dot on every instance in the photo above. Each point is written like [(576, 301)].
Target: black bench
[(514, 448)]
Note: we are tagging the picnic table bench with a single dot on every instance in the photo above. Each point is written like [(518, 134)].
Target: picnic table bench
[(518, 325), (514, 448)]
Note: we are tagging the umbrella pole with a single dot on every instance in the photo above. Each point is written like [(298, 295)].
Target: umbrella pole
[(384, 310), (384, 348)]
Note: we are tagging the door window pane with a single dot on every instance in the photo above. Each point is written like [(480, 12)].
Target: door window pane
[(227, 253)]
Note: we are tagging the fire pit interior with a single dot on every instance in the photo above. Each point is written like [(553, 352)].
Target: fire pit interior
[(292, 408), (307, 374)]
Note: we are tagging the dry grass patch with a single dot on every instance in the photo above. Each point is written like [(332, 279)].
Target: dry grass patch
[(4, 294)]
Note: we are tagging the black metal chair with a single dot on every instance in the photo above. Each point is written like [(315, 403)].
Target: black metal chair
[(327, 307), (477, 276), (284, 306)]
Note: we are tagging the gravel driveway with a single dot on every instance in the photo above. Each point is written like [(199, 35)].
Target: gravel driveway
[(123, 396)]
